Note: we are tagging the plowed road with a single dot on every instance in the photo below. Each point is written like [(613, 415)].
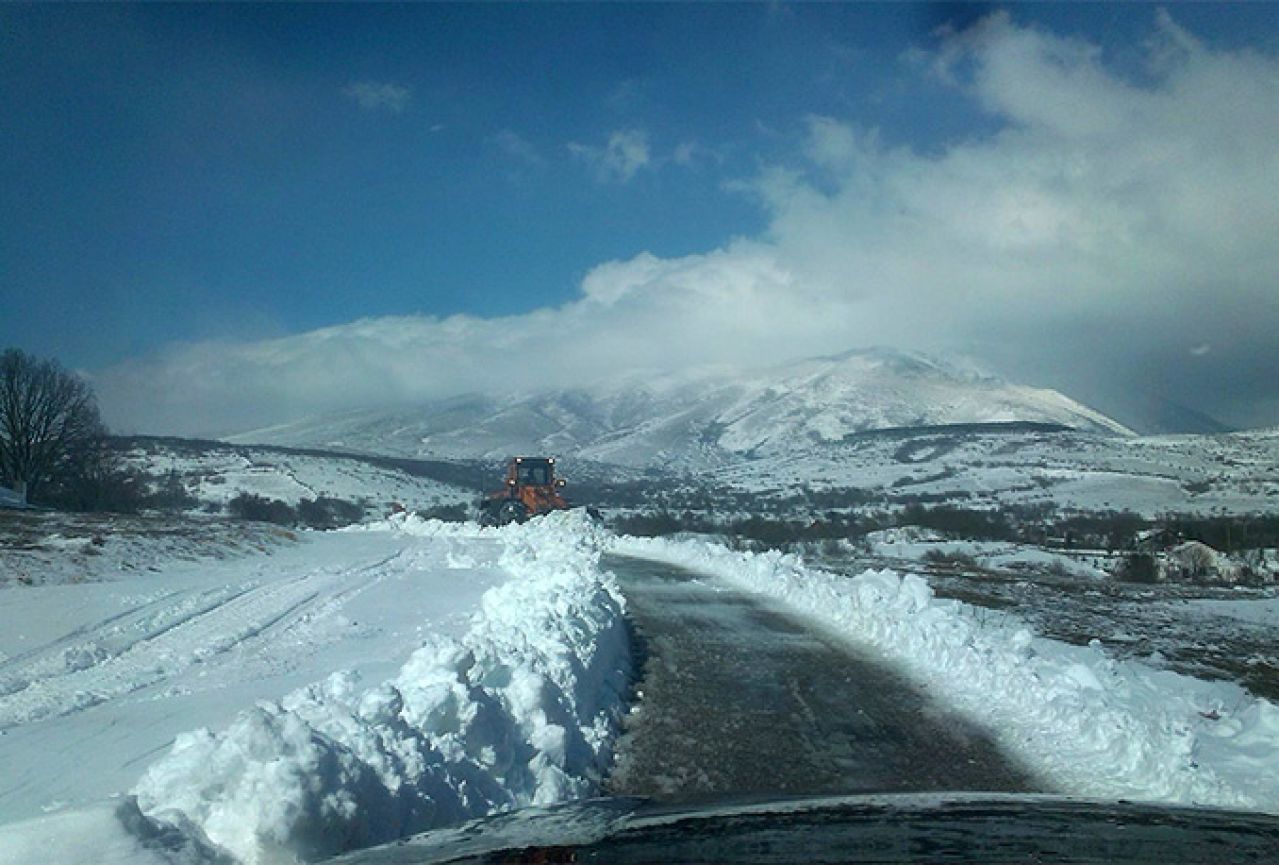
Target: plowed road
[(740, 698)]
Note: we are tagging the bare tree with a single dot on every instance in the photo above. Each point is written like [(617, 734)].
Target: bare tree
[(48, 419)]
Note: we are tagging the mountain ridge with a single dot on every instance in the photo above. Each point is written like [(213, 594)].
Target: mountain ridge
[(699, 418)]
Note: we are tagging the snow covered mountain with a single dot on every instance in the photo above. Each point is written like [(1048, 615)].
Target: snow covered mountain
[(699, 418)]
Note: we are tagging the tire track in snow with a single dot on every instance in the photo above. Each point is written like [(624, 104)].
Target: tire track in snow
[(15, 662), (201, 635), (95, 642)]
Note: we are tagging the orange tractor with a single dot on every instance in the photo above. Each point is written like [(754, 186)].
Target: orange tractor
[(531, 490)]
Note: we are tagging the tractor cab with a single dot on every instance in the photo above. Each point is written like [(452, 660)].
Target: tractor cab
[(531, 489), (528, 471)]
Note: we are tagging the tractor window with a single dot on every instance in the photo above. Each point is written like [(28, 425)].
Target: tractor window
[(535, 474)]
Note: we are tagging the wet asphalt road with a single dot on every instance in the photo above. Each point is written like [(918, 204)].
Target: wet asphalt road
[(740, 699)]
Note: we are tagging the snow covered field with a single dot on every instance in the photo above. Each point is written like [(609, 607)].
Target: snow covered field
[(347, 690), (214, 474), (39, 548), (362, 685), (1231, 473)]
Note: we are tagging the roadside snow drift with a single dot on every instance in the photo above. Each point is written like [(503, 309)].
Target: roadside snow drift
[(521, 710), (1087, 724)]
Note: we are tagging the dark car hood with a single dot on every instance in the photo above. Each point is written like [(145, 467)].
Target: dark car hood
[(936, 828)]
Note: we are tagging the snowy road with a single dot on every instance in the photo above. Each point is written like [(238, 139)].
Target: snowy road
[(739, 698)]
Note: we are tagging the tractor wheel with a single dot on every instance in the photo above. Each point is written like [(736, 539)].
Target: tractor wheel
[(511, 511), (487, 515)]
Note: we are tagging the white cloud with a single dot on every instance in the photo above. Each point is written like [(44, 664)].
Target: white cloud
[(379, 96), (832, 144), (624, 154), (693, 154), (1106, 226), (651, 312), (517, 147)]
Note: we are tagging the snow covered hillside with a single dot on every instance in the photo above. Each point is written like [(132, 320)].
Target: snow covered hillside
[(892, 427), (214, 473), (700, 418), (1228, 473)]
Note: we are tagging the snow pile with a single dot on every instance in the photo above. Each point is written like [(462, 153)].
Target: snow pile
[(521, 710), (1088, 724), (107, 833)]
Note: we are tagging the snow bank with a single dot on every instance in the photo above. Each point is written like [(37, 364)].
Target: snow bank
[(1088, 724), (521, 710)]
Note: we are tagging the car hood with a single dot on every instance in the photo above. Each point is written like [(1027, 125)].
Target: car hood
[(959, 828)]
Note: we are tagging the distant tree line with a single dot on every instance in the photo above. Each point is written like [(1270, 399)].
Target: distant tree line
[(1037, 524), (321, 512)]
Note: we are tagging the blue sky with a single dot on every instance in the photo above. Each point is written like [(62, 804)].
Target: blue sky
[(199, 174)]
